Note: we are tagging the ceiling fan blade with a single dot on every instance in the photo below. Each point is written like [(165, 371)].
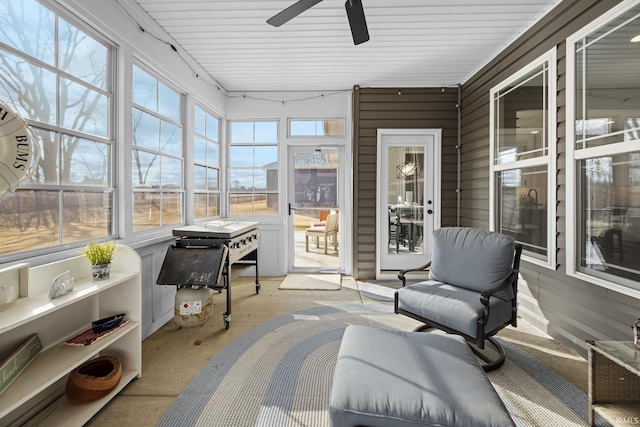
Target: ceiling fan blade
[(291, 12), (357, 21)]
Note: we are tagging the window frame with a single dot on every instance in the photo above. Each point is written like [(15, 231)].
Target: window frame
[(109, 91), (145, 233), (548, 160), (230, 144), (218, 167), (574, 156)]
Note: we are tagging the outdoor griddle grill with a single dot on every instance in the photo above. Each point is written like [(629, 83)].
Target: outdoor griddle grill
[(202, 256)]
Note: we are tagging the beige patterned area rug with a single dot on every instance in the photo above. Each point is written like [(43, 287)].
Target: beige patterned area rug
[(279, 374), (312, 282)]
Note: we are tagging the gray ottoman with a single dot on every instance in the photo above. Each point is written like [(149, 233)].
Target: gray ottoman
[(391, 378)]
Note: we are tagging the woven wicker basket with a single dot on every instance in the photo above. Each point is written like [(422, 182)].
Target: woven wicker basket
[(93, 379)]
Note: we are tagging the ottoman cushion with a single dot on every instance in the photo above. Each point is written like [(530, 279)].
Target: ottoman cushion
[(389, 378)]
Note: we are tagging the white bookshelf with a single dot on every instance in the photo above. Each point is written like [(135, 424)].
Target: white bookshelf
[(37, 395)]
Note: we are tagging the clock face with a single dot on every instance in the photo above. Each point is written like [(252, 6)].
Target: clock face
[(15, 149)]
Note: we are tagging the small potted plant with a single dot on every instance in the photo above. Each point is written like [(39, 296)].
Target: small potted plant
[(100, 255)]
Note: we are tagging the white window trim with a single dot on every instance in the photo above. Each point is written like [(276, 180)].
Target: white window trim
[(549, 160), (147, 234), (227, 167), (192, 163), (574, 156)]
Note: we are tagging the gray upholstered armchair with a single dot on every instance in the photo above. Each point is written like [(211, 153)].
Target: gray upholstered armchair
[(472, 288)]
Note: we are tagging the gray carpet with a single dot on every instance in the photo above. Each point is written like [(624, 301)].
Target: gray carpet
[(279, 374), (308, 282), (381, 290)]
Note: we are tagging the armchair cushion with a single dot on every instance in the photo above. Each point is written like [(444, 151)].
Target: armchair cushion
[(473, 259), (455, 307)]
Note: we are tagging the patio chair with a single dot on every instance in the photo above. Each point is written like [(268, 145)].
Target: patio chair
[(329, 229), (471, 291)]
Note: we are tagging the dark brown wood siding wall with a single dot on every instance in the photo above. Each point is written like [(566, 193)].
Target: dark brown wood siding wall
[(415, 108), (569, 309)]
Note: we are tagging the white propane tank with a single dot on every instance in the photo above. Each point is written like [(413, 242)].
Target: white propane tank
[(194, 306)]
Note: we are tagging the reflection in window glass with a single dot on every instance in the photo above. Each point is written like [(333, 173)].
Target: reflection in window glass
[(316, 127), (58, 76), (520, 113), (84, 109), (82, 57), (604, 113), (522, 202), (406, 193), (253, 168), (207, 164), (38, 41), (44, 110), (610, 232)]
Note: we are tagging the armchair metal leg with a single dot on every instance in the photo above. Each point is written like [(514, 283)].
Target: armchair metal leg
[(491, 363)]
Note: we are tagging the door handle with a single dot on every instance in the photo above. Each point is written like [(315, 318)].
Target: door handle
[(289, 208)]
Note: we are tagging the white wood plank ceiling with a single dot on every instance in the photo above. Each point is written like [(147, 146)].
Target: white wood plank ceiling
[(414, 43)]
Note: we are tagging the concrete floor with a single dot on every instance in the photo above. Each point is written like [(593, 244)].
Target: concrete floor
[(172, 356)]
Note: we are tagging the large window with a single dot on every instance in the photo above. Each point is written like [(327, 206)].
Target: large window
[(158, 190), (253, 168), (206, 170), (58, 77), (523, 150), (603, 156)]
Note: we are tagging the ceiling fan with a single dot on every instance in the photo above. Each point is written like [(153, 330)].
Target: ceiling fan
[(355, 14)]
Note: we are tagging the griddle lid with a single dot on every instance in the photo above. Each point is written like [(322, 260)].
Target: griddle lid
[(196, 266)]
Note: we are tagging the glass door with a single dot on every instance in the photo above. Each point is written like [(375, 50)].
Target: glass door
[(314, 211), (408, 198)]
